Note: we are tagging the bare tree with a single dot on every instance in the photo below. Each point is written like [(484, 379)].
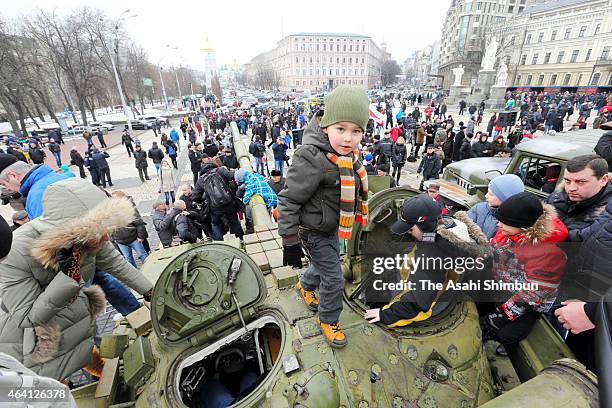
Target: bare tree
[(266, 78), (216, 88), (389, 71)]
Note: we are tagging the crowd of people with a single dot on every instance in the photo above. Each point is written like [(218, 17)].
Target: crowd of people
[(93, 241)]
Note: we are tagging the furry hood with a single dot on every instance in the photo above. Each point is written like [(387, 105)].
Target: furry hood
[(108, 216), (466, 235)]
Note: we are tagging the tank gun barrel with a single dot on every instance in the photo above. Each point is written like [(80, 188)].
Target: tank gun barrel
[(259, 211)]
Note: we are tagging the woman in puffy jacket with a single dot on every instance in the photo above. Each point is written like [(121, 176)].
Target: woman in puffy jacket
[(398, 158)]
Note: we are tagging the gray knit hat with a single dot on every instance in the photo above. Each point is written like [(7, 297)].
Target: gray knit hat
[(346, 104)]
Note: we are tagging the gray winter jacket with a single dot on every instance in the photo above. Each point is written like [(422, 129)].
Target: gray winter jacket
[(311, 197), (484, 216), (48, 319), (164, 227)]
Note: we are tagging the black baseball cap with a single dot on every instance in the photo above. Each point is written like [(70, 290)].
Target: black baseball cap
[(421, 210)]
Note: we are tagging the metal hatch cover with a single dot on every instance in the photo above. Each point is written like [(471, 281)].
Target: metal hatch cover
[(193, 301)]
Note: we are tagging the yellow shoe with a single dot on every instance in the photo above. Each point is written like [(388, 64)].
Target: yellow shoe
[(97, 364), (309, 296), (333, 334)]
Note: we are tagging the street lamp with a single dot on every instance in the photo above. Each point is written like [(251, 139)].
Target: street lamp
[(116, 50), (161, 78)]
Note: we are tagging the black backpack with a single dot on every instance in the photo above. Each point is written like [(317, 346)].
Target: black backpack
[(217, 190)]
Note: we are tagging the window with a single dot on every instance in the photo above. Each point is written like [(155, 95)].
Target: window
[(303, 60), (540, 37), (512, 40), (597, 27), (528, 39), (567, 78), (529, 77), (311, 60), (553, 36), (582, 31), (530, 170), (560, 57), (546, 58), (568, 32), (337, 71), (363, 47), (310, 73), (523, 59), (540, 79), (363, 60), (579, 80), (337, 60), (534, 60), (595, 80), (553, 79), (317, 47), (351, 60), (351, 47), (344, 60), (324, 47), (518, 80), (297, 59), (574, 57), (344, 47), (605, 52), (338, 47), (588, 54)]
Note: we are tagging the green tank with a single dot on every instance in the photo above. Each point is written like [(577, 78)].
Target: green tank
[(226, 325)]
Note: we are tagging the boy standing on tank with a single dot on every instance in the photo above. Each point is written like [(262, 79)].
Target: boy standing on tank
[(325, 192)]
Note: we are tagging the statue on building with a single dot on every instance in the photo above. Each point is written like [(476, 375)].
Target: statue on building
[(458, 72), (502, 75), (489, 57)]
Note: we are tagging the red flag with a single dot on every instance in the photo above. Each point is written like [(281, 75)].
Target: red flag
[(378, 117)]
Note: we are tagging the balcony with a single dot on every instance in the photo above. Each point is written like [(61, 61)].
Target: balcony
[(603, 61)]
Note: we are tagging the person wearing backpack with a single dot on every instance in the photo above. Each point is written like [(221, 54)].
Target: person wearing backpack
[(171, 149), (213, 190)]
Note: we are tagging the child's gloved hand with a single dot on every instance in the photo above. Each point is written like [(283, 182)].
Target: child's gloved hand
[(292, 255)]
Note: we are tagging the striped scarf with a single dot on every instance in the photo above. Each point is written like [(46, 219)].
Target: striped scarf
[(347, 165)]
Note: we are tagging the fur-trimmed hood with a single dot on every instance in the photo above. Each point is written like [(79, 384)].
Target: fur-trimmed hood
[(466, 235), (547, 228), (75, 214)]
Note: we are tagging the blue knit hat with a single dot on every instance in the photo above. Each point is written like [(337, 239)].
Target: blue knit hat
[(368, 157), (506, 186)]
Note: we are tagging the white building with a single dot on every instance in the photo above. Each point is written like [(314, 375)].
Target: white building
[(319, 61), (210, 62), (559, 45), (466, 30)]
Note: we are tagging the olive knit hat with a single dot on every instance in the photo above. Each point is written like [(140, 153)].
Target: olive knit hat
[(346, 104)]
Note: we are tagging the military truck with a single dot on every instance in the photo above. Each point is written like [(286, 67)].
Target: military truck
[(464, 183)]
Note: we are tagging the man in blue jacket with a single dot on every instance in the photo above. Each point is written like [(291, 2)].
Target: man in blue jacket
[(30, 182)]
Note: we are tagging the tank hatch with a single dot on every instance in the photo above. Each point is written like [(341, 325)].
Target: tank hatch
[(205, 291)]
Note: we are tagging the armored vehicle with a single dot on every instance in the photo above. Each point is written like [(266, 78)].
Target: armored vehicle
[(226, 325), (227, 328), (465, 183)]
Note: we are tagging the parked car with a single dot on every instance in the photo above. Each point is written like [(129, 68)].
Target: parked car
[(142, 124), (152, 118), (78, 129), (106, 127)]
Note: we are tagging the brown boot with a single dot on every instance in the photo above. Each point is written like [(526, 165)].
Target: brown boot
[(309, 296), (97, 364), (333, 334)]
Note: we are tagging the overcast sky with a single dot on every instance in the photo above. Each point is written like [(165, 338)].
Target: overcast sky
[(241, 29)]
